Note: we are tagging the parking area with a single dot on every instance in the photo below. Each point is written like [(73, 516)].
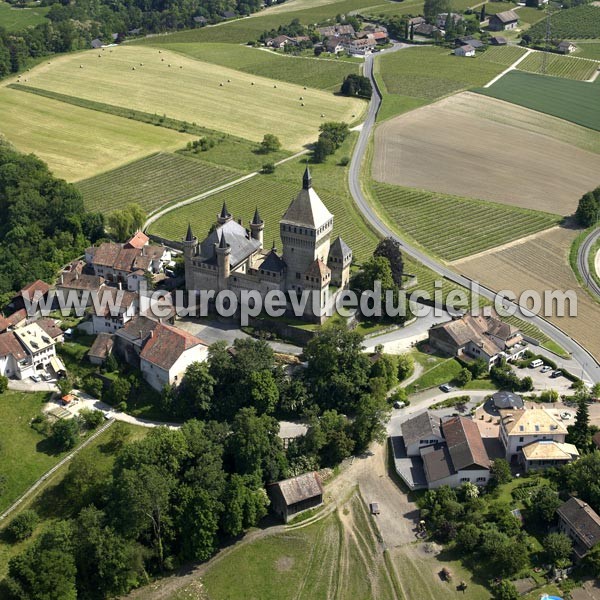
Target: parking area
[(545, 381)]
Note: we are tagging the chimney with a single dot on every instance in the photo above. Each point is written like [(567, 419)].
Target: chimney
[(120, 285), (62, 278)]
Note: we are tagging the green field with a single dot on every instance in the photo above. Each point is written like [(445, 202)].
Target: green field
[(200, 93), (152, 182), (17, 19), (22, 456), (334, 557), (413, 77), (530, 15), (321, 73), (410, 7), (567, 67), (573, 101), (588, 49), (75, 142), (572, 23), (492, 8), (453, 227)]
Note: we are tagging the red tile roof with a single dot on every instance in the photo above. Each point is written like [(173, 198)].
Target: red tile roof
[(318, 269), (9, 345), (139, 240), (32, 288), (464, 443), (50, 327), (166, 344)]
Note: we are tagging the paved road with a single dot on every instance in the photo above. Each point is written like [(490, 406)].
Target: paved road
[(583, 262), (579, 353)]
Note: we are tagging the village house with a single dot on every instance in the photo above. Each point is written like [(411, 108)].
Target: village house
[(565, 47), (167, 353), (503, 21), (334, 45), (233, 258), (116, 307), (520, 428), (473, 337), (362, 47), (36, 291), (130, 339), (581, 523), (51, 329), (279, 42), (200, 20), (425, 30), (466, 50), (336, 30), (414, 21), (101, 348), (74, 281), (295, 495), (441, 18), (14, 320)]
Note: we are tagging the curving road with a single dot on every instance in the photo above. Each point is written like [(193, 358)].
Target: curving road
[(583, 261), (590, 367)]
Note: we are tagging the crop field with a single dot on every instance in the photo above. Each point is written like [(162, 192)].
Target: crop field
[(272, 197), (209, 95), (575, 101), (492, 8), (453, 227), (321, 73), (409, 7), (541, 264), (464, 145), (152, 182), (75, 142), (573, 23), (530, 15), (430, 73), (588, 49), (567, 67), (17, 19), (335, 557), (501, 55)]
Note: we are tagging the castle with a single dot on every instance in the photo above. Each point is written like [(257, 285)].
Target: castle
[(233, 258)]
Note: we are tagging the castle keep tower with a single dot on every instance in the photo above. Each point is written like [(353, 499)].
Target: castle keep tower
[(305, 230)]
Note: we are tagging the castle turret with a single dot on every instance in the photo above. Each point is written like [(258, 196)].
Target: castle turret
[(223, 251), (257, 228), (339, 261), (190, 246), (224, 215)]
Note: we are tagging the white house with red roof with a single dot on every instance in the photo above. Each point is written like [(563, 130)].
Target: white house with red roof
[(167, 353)]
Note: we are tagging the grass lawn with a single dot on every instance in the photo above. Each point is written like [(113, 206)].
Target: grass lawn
[(588, 49), (200, 93), (75, 142), (573, 101), (530, 15), (568, 67), (152, 182), (17, 19), (22, 456), (416, 76), (443, 372), (324, 73), (453, 227)]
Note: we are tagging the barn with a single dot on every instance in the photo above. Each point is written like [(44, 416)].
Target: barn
[(295, 495)]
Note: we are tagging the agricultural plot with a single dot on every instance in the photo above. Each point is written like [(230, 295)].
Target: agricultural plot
[(540, 264), (429, 73), (501, 55), (567, 67), (453, 227), (335, 557), (152, 182), (321, 73), (75, 142), (575, 101), (272, 196), (588, 49), (529, 15), (492, 8), (17, 19), (465, 145), (209, 95), (573, 23)]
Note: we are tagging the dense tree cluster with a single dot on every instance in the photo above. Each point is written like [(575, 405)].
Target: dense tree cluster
[(588, 209), (43, 224), (330, 139), (506, 379), (357, 85)]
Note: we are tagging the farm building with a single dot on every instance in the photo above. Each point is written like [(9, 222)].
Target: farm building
[(417, 21), (334, 45), (96, 44), (581, 523), (503, 21), (116, 307), (336, 30), (293, 496), (200, 20), (232, 258), (360, 47), (279, 42), (466, 50), (473, 337), (73, 280), (498, 40), (36, 290), (566, 47)]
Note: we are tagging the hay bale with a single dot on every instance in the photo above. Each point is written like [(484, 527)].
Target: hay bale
[(160, 51), (274, 86), (81, 66), (304, 87), (229, 81), (322, 115), (169, 65), (181, 66), (133, 68), (162, 60), (252, 83), (302, 104), (141, 64), (301, 98), (221, 85)]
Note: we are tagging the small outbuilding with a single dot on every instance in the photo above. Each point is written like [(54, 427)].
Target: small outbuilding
[(466, 50), (498, 40), (566, 47), (295, 495), (101, 348)]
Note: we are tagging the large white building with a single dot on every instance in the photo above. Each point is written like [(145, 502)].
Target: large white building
[(233, 258)]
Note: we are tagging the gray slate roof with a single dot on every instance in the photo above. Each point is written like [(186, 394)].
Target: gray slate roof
[(424, 425), (506, 16), (437, 463), (273, 262), (507, 400), (300, 488), (235, 234), (583, 519), (339, 248)]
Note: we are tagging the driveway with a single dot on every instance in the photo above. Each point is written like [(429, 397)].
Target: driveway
[(27, 385)]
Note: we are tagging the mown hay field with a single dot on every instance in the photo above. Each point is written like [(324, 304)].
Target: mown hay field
[(209, 95), (321, 73), (75, 142), (575, 101), (540, 264), (453, 227), (568, 67), (478, 147), (152, 182), (17, 19)]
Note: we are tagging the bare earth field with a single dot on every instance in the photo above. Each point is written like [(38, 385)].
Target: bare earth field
[(484, 148), (540, 264)]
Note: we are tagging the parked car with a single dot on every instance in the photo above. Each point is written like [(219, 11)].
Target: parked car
[(555, 374), (46, 377), (446, 387), (35, 378), (399, 404), (534, 364), (546, 368)]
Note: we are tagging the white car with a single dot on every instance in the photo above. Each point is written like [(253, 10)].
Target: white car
[(35, 378), (446, 387), (545, 369)]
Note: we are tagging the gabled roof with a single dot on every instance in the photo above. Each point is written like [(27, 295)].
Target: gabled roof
[(36, 286), (138, 240), (307, 209), (318, 269), (423, 425), (166, 344), (137, 329), (507, 16), (339, 248), (50, 327), (105, 254), (273, 262), (582, 519), (464, 443), (102, 345), (437, 463), (119, 302), (297, 489), (467, 48), (10, 346)]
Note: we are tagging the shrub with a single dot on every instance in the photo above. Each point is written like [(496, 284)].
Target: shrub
[(268, 168), (22, 526), (345, 160), (91, 418), (3, 384), (270, 143)]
